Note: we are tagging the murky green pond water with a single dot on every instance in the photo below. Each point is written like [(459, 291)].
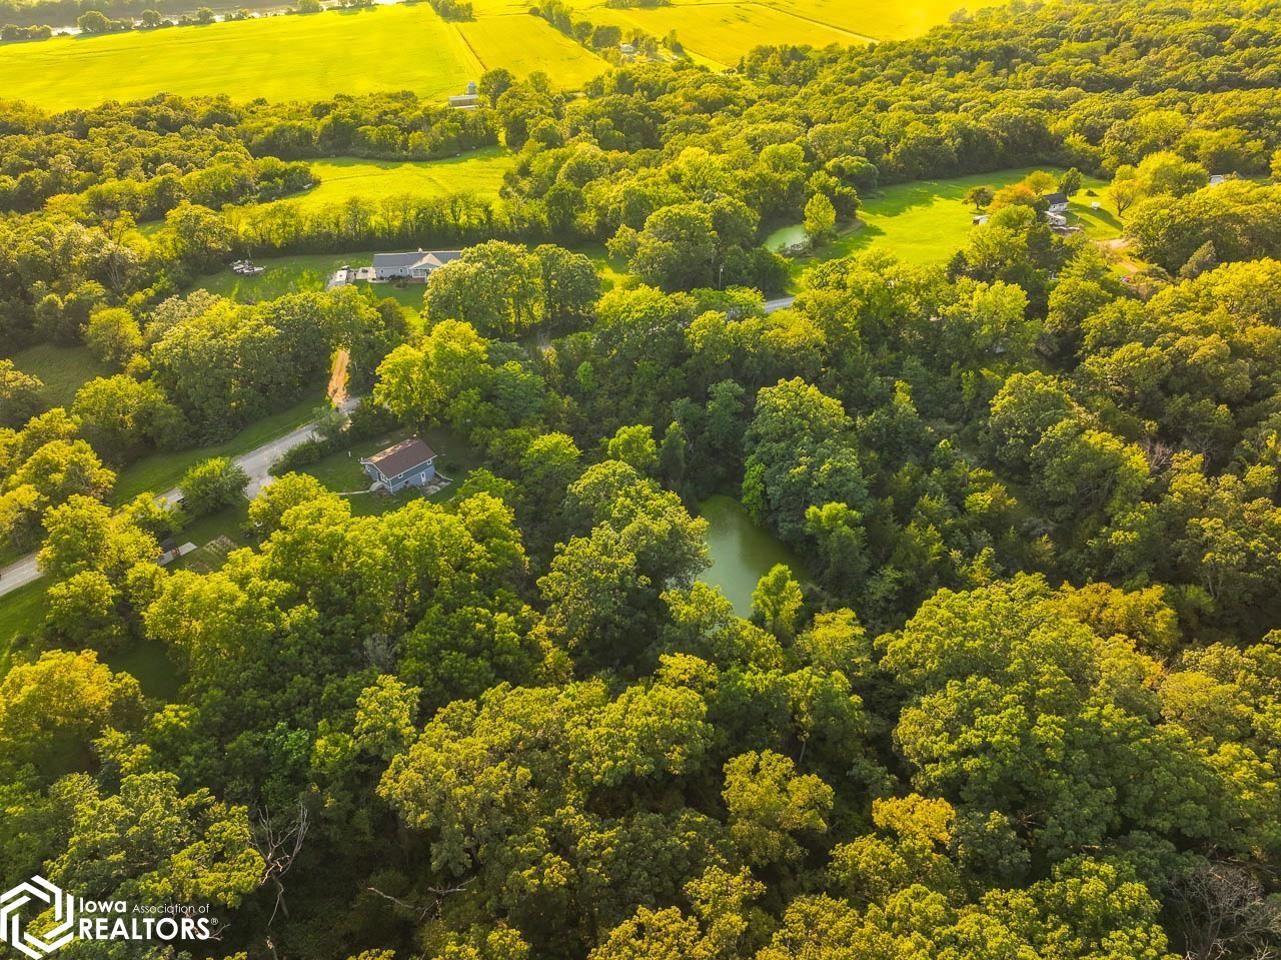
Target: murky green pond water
[(741, 552)]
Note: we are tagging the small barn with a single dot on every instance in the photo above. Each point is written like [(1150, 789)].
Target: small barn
[(410, 463)]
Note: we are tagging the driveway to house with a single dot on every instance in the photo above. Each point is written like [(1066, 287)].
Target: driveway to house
[(18, 574), (256, 463)]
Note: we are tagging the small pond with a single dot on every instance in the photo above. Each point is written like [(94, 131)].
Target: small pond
[(785, 237), (740, 551)]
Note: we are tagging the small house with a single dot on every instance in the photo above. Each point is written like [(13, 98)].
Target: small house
[(1058, 202), (410, 463), (1218, 179), (627, 49), (415, 265)]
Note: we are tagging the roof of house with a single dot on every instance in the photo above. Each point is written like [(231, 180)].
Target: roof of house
[(415, 258), (1053, 198), (401, 457)]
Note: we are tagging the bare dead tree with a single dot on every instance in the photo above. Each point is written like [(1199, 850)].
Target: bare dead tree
[(279, 847), (1223, 913), (420, 911)]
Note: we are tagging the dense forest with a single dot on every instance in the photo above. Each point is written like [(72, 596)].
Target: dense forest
[(1026, 702)]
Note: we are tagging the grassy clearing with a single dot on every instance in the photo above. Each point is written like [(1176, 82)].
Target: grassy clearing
[(926, 221), (21, 613), (64, 370), (296, 274), (723, 32), (305, 272), (279, 58), (341, 472), (147, 661), (341, 178), (162, 471), (523, 43)]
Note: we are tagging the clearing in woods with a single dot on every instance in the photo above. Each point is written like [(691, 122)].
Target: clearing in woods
[(479, 172)]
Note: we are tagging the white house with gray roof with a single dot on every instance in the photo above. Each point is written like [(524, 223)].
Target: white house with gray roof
[(415, 266)]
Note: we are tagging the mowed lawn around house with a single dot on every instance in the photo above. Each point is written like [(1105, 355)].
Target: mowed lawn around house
[(297, 274), (402, 47), (63, 370), (341, 471), (479, 172), (926, 221)]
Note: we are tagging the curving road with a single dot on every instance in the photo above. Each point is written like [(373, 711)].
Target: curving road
[(255, 463)]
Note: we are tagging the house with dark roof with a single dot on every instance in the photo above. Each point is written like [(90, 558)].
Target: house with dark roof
[(414, 265), (410, 463), (1058, 202)]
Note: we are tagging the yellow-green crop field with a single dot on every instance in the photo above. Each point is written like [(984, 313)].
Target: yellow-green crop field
[(524, 43), (723, 32), (288, 58), (409, 47), (880, 19), (480, 172)]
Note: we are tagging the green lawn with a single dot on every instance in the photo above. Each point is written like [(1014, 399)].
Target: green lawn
[(479, 172), (310, 271), (927, 221), (341, 471), (162, 471), (64, 370), (147, 661), (305, 272), (21, 612)]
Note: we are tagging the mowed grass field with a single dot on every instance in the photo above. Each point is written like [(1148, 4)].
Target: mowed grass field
[(926, 221), (341, 178), (398, 47)]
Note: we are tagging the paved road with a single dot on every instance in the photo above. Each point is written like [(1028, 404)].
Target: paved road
[(256, 463), (782, 303), (18, 574)]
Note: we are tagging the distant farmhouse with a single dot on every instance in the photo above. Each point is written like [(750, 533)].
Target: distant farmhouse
[(410, 463), (466, 101), (1058, 202), (415, 266)]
